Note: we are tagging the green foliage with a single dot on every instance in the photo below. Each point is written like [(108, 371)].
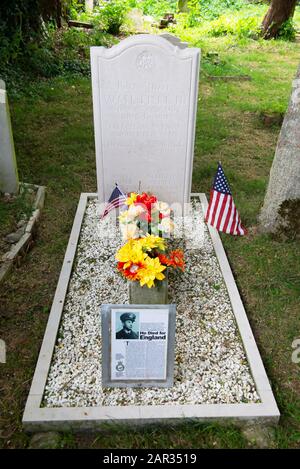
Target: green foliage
[(52, 52), (239, 25), (206, 9), (61, 52), (21, 22), (67, 51), (25, 37), (110, 16), (155, 8), (211, 9), (75, 8), (43, 61), (194, 15), (287, 30), (9, 44)]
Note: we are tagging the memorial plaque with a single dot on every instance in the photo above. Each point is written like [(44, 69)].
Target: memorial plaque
[(138, 345), (145, 99)]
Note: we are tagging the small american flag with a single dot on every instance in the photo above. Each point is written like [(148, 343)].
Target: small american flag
[(117, 199), (221, 211)]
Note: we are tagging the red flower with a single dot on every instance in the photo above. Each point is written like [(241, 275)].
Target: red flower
[(164, 260), (175, 259), (130, 272), (146, 199)]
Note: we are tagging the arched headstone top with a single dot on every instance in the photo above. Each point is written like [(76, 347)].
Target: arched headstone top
[(165, 42)]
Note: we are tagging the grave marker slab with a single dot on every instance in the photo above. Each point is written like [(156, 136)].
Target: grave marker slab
[(145, 99)]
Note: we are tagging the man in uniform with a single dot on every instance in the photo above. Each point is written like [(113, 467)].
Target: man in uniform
[(127, 320)]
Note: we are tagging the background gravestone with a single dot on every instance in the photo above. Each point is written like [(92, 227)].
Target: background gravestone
[(9, 181), (89, 5), (284, 182), (174, 40), (145, 99)]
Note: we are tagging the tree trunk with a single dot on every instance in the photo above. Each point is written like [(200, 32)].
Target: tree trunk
[(279, 12), (284, 182), (58, 13)]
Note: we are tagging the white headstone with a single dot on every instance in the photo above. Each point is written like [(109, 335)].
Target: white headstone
[(145, 100), (8, 166), (89, 5), (136, 19)]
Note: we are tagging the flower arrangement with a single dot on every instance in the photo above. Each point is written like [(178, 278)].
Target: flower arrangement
[(145, 259), (145, 225), (145, 214)]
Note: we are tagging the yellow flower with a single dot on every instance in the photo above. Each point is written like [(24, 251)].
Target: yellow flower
[(151, 272), (131, 199), (151, 241), (131, 253)]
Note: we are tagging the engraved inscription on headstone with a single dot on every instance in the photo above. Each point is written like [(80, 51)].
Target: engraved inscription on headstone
[(145, 100)]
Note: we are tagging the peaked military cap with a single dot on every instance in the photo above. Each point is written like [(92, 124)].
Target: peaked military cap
[(128, 317)]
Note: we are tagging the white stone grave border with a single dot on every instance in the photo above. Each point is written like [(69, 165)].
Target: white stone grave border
[(20, 248), (38, 418)]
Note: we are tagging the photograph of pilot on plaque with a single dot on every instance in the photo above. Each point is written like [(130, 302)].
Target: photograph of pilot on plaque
[(127, 325)]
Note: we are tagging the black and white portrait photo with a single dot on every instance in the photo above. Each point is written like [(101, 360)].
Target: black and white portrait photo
[(127, 325)]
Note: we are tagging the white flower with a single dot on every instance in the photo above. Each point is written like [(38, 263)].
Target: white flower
[(134, 211), (163, 208), (166, 225), (129, 231)]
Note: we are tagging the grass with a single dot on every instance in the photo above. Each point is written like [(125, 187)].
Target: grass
[(53, 133), (188, 435)]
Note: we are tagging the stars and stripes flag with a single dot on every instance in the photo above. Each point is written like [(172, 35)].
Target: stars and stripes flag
[(117, 199), (221, 211)]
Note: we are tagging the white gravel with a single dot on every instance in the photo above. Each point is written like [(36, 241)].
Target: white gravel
[(210, 362)]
